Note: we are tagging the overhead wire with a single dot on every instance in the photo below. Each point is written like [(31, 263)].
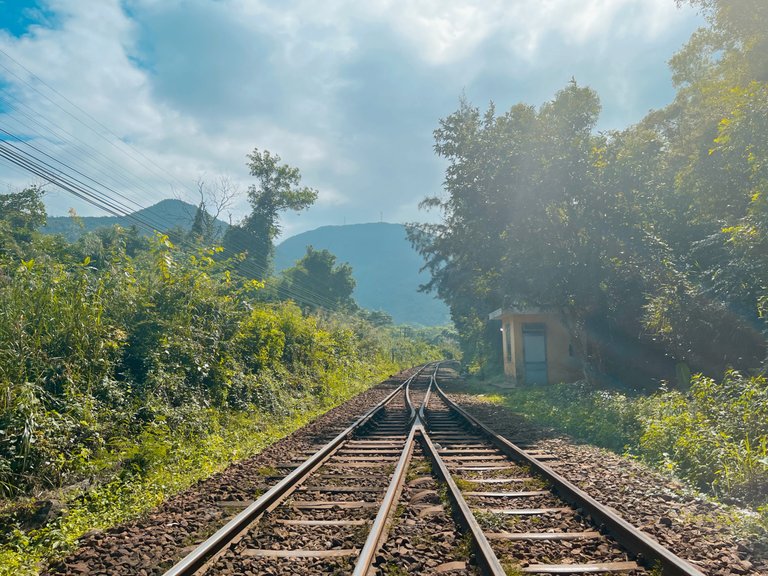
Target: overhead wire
[(97, 192), (107, 201), (90, 194), (55, 176), (111, 142), (75, 187), (108, 168), (85, 152)]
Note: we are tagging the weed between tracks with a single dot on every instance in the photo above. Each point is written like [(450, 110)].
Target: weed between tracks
[(536, 483), (512, 569), (442, 492), (493, 522), (417, 470), (267, 471), (397, 516), (464, 484), (463, 548), (392, 569)]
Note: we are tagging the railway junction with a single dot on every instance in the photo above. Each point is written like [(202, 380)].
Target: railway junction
[(405, 480)]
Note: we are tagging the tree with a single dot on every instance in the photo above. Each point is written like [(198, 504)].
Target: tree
[(519, 218), (21, 213), (651, 241), (317, 282), (278, 190), (214, 200)]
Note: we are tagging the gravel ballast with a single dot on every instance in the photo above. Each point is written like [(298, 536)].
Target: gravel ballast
[(423, 539), (679, 519), (153, 543)]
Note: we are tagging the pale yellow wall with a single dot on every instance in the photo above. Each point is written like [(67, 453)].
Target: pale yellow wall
[(508, 343), (561, 366)]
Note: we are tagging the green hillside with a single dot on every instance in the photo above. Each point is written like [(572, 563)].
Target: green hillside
[(163, 216), (384, 265)]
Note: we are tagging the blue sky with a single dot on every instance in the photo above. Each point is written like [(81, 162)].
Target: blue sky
[(148, 97)]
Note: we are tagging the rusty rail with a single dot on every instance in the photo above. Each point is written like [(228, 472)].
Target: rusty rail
[(219, 541), (486, 558), (379, 528), (648, 551)]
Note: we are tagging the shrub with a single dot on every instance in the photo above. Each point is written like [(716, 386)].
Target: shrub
[(715, 436)]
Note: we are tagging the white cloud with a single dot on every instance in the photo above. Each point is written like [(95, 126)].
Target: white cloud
[(345, 90), (115, 130), (329, 196), (446, 31)]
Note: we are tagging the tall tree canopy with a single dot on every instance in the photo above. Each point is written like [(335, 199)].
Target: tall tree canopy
[(316, 281), (21, 213), (652, 242), (278, 190)]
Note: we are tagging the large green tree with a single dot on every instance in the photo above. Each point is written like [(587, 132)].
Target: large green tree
[(651, 241), (278, 190), (316, 281), (21, 213), (523, 217)]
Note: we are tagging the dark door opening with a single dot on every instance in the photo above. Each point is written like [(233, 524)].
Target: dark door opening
[(535, 353)]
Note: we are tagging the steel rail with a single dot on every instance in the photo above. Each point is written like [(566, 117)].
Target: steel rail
[(201, 555), (432, 381), (485, 557), (647, 551), (378, 530)]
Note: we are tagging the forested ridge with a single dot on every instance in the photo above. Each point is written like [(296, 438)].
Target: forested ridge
[(168, 214), (133, 365), (650, 242)]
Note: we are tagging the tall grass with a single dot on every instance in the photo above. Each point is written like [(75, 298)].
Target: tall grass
[(715, 436), (137, 367), (170, 463)]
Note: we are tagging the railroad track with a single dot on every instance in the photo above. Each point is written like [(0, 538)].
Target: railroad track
[(331, 512), (524, 517)]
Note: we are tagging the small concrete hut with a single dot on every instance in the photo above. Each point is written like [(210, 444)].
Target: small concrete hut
[(537, 347)]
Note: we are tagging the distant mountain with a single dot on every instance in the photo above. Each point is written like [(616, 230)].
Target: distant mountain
[(164, 216), (385, 267)]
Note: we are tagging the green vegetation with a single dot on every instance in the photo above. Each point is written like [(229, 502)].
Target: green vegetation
[(714, 436), (418, 468), (170, 214), (494, 522), (392, 569), (131, 367), (278, 190), (464, 546), (651, 242), (395, 258), (318, 268), (512, 568), (177, 463)]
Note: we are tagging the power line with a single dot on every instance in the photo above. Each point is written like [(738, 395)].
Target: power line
[(117, 203), (160, 171), (89, 189), (85, 152), (45, 170)]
